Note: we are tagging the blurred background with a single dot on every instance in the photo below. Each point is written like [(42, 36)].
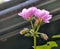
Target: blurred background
[(2, 1), (11, 23)]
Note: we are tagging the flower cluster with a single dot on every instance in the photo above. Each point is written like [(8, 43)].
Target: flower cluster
[(40, 17)]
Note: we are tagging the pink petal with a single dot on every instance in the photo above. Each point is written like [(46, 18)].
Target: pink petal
[(46, 21), (37, 13), (49, 17), (27, 13), (45, 11)]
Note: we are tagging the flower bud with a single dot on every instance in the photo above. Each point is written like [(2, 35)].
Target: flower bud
[(44, 36), (25, 30)]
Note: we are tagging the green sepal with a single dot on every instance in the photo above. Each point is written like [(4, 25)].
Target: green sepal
[(27, 34)]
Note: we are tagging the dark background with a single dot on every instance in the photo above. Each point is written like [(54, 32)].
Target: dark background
[(11, 24)]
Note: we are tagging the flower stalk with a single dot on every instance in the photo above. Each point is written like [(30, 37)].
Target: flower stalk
[(34, 40), (31, 24), (34, 35)]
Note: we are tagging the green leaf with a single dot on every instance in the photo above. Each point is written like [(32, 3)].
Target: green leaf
[(56, 36), (48, 45), (27, 34)]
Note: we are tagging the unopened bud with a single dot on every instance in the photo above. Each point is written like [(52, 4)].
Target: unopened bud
[(44, 36), (25, 30)]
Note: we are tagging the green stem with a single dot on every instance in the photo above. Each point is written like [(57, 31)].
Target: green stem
[(31, 24), (38, 28), (34, 41)]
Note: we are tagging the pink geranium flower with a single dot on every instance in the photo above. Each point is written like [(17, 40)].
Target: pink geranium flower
[(43, 15), (27, 13)]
